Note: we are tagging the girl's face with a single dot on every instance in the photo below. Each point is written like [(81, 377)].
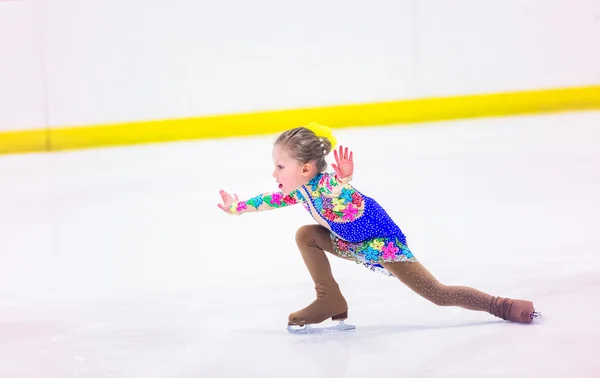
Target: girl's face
[(289, 173)]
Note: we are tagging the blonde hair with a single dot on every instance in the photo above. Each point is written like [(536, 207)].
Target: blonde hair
[(303, 144)]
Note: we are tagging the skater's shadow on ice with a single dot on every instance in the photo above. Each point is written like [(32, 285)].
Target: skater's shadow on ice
[(403, 328), (367, 331)]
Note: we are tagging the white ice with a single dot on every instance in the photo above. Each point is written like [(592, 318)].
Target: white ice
[(118, 263)]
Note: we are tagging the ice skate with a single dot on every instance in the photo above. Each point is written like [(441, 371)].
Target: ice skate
[(514, 310), (330, 303)]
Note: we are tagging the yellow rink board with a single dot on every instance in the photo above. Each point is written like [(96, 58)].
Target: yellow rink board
[(267, 122)]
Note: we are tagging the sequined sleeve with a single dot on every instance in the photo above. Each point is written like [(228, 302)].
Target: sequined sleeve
[(330, 185), (265, 201)]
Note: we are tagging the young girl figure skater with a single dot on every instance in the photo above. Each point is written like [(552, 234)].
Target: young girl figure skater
[(353, 226)]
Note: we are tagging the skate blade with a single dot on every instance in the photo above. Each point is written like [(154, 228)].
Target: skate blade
[(307, 329), (535, 314)]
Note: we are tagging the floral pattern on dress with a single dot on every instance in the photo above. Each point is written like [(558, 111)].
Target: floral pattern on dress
[(372, 253), (334, 200), (264, 201)]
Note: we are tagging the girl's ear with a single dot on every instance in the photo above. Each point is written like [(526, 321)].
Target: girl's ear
[(307, 169)]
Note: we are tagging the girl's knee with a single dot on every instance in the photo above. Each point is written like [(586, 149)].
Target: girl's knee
[(441, 300), (438, 294), (315, 236), (303, 234)]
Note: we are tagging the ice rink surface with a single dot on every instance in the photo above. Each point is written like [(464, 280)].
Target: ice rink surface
[(118, 263)]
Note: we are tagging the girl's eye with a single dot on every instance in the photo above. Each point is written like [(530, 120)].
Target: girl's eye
[(280, 166)]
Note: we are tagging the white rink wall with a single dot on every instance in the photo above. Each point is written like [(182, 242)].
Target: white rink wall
[(21, 92), (70, 62)]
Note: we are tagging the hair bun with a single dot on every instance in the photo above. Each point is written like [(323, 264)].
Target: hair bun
[(323, 131)]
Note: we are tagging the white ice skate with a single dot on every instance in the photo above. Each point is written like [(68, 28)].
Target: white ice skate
[(310, 328), (535, 314)]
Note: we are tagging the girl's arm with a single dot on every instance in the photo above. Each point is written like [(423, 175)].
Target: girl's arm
[(331, 185), (261, 202)]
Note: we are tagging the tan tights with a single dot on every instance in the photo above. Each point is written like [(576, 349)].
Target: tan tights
[(314, 239), (421, 281)]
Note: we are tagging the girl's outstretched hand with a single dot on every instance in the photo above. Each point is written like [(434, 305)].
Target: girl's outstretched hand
[(227, 200), (344, 163)]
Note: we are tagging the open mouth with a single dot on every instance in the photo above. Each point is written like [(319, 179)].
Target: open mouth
[(280, 186)]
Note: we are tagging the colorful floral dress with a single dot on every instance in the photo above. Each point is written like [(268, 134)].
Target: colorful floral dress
[(361, 229)]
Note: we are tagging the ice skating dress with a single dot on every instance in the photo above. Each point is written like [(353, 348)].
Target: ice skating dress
[(360, 229)]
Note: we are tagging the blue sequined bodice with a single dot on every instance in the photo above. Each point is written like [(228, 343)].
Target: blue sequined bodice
[(350, 214)]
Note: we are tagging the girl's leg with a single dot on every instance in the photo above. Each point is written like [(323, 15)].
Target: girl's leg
[(313, 241), (420, 280)]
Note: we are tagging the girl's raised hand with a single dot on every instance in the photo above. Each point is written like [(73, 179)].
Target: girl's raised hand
[(227, 200), (344, 166)]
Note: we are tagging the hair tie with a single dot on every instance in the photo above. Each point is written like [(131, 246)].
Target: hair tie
[(322, 132)]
